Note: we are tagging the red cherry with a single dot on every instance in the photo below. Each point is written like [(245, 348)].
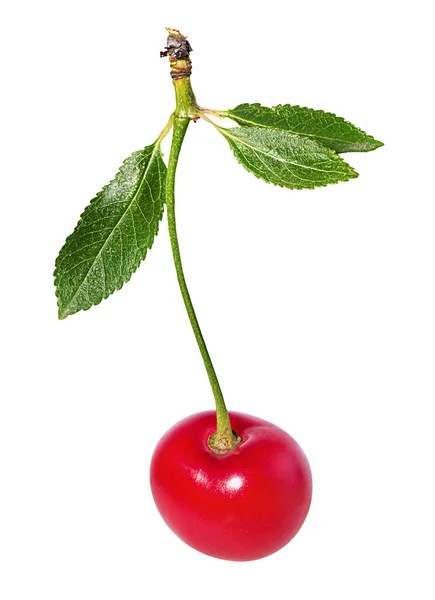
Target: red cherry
[(242, 505)]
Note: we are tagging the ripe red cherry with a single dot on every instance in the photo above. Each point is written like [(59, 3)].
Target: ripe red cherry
[(242, 505)]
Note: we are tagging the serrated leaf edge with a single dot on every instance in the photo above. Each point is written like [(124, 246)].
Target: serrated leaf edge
[(319, 112), (65, 313), (347, 177)]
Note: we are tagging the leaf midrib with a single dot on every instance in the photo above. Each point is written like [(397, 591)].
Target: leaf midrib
[(278, 158), (156, 147), (310, 135)]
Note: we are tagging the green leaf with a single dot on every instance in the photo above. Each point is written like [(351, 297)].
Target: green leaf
[(325, 127), (286, 159), (113, 234)]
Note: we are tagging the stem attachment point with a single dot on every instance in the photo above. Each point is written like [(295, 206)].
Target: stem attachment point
[(224, 441)]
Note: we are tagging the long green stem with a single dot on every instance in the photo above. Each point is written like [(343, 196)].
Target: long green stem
[(178, 50), (224, 439)]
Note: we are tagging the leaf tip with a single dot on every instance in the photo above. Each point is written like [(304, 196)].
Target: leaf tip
[(62, 314), (377, 144)]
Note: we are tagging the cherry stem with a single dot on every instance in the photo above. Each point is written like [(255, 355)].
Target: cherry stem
[(186, 109)]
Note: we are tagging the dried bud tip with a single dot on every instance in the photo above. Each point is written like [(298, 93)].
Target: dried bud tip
[(177, 45)]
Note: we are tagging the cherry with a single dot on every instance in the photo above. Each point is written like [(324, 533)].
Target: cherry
[(240, 505)]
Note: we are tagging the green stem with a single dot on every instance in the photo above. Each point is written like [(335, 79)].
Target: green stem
[(224, 439)]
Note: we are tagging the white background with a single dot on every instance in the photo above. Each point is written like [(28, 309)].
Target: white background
[(317, 306)]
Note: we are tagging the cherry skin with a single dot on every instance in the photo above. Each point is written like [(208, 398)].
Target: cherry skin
[(242, 505)]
